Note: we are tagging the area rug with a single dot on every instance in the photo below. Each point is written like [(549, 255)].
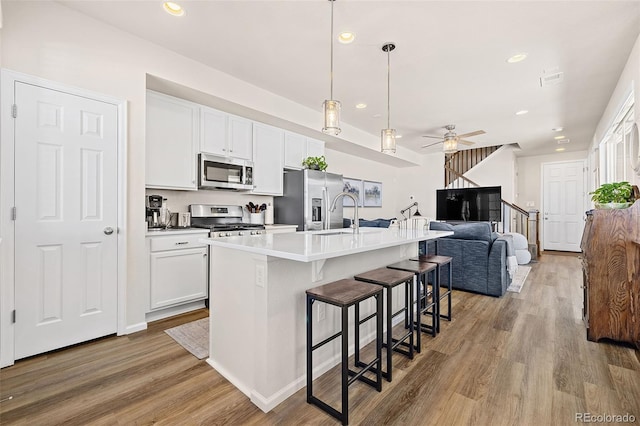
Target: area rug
[(519, 278), (193, 336)]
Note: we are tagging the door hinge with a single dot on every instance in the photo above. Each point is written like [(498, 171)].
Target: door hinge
[(13, 317), (14, 111), (13, 213)]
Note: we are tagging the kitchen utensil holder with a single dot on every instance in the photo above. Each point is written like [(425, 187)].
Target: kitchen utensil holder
[(256, 218)]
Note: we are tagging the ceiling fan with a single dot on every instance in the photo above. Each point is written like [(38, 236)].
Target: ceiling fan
[(451, 139)]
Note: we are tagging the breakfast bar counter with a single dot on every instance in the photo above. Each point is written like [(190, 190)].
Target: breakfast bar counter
[(257, 301)]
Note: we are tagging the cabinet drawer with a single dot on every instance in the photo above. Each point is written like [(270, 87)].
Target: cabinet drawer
[(177, 242)]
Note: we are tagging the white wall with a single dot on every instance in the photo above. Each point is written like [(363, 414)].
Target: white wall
[(529, 194), (48, 40), (497, 170), (629, 80)]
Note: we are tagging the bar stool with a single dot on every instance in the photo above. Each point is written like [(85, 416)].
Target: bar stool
[(390, 278), (343, 294), (420, 271), (440, 261)]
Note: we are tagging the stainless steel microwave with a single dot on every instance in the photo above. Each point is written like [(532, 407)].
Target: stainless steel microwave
[(224, 173)]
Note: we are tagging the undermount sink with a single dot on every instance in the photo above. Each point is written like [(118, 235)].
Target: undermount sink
[(335, 233)]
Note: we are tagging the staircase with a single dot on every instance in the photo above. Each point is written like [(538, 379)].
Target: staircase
[(463, 161), (514, 218)]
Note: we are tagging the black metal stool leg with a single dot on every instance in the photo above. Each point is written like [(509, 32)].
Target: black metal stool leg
[(345, 365), (309, 348)]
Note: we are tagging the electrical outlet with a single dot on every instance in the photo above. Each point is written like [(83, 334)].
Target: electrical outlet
[(260, 273), (322, 311)]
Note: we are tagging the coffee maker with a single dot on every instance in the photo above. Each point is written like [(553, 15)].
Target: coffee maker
[(154, 205)]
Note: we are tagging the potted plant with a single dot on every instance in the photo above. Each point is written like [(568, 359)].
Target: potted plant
[(614, 195), (315, 163)]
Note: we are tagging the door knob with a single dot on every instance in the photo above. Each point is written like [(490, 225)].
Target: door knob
[(108, 230)]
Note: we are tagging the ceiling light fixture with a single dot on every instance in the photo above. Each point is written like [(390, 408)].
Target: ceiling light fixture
[(522, 112), (388, 135), (361, 105), (558, 129), (331, 107), (346, 37), (518, 57), (450, 144), (558, 137), (173, 8), (559, 149)]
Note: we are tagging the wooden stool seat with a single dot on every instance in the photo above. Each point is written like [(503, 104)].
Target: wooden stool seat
[(344, 292), (413, 266), (433, 258), (390, 278)]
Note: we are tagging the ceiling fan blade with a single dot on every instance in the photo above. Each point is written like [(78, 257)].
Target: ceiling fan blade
[(431, 144), (434, 137), (477, 132), (464, 142)]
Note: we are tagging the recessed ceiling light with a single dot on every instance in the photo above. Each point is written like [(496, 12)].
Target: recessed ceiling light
[(173, 8), (522, 112), (558, 129), (518, 57), (361, 105), (346, 37), (558, 137), (377, 115), (559, 149)]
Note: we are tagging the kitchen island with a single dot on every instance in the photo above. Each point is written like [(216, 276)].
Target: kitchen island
[(257, 301)]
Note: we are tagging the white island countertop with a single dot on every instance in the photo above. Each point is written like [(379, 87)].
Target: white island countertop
[(318, 245)]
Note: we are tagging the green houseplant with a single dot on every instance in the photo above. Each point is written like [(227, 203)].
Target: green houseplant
[(315, 163), (614, 195)]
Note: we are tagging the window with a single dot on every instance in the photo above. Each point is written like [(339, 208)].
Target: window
[(613, 149)]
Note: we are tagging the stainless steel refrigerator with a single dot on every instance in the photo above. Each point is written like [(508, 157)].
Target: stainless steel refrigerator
[(307, 197)]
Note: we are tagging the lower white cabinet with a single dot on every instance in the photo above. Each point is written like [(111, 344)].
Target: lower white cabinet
[(178, 270)]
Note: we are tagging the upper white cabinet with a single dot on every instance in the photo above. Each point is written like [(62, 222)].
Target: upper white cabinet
[(225, 135), (240, 138), (298, 147), (268, 144), (172, 134), (213, 131), (295, 148)]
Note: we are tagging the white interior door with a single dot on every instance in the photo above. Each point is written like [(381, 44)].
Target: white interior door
[(563, 205), (66, 218)]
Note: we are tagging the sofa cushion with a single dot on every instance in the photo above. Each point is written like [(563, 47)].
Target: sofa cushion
[(465, 231)]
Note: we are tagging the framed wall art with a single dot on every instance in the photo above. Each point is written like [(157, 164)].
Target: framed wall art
[(352, 186), (372, 194)]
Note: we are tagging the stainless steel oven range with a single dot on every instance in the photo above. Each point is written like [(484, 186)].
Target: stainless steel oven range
[(222, 221)]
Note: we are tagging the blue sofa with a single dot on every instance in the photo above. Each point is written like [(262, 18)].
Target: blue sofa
[(479, 257), (376, 223)]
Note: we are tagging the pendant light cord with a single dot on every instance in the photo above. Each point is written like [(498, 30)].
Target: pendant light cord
[(331, 36), (388, 88)]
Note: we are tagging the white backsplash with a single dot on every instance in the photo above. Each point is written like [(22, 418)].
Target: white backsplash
[(178, 201)]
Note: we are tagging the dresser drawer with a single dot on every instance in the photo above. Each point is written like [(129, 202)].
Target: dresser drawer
[(177, 242)]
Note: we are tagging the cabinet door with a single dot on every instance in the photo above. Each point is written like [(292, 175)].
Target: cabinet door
[(213, 129), (240, 138), (171, 142), (267, 159), (315, 148), (295, 147), (178, 276)]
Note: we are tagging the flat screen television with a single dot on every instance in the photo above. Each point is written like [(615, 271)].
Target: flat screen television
[(480, 204)]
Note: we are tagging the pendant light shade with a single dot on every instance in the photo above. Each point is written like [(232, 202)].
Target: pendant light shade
[(388, 135), (331, 107), (450, 146)]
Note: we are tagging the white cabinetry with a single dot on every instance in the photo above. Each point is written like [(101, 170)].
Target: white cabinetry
[(268, 144), (225, 135), (172, 134), (298, 147), (178, 270)]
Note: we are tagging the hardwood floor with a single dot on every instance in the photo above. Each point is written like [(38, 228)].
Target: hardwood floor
[(522, 359)]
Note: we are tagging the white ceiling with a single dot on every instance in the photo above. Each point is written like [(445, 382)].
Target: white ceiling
[(449, 65)]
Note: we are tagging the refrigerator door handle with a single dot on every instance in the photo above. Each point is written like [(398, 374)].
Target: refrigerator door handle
[(325, 208)]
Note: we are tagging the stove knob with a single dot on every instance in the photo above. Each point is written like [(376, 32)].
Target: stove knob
[(221, 234), (240, 233), (228, 234), (253, 232)]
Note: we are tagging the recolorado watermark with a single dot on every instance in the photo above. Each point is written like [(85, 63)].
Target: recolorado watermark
[(605, 418)]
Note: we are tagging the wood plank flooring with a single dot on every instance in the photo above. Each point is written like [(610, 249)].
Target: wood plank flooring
[(522, 359)]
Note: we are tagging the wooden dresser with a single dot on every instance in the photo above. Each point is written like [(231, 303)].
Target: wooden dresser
[(611, 271)]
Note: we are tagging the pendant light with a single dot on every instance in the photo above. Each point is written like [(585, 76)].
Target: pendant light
[(388, 135), (331, 107)]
